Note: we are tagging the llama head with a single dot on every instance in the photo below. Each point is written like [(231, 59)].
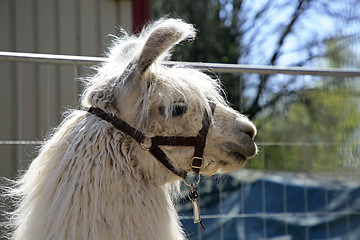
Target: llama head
[(136, 86)]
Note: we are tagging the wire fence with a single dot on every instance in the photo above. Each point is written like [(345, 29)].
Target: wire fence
[(217, 67), (315, 172)]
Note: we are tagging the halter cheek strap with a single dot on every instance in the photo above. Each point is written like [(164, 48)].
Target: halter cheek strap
[(198, 142)]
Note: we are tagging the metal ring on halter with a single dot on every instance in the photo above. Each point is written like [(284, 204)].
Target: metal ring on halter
[(192, 184), (146, 148), (143, 147)]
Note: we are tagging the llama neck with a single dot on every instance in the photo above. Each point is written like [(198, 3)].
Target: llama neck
[(134, 209), (99, 204), (79, 187)]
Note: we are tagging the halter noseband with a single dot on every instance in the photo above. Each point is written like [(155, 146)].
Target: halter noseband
[(197, 142)]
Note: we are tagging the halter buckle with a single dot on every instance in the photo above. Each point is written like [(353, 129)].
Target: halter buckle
[(197, 162)]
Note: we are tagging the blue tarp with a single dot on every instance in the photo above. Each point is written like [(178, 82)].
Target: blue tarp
[(276, 206)]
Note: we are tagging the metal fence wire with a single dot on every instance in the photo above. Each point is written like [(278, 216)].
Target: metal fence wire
[(304, 184)]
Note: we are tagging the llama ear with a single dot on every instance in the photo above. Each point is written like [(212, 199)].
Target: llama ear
[(163, 36)]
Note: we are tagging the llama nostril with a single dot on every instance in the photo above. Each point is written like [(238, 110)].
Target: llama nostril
[(250, 132), (247, 128)]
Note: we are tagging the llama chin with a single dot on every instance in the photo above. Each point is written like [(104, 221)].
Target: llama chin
[(95, 180)]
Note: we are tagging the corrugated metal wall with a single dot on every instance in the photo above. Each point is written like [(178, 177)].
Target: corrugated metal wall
[(34, 96)]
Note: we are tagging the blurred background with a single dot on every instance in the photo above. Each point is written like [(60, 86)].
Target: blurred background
[(305, 182)]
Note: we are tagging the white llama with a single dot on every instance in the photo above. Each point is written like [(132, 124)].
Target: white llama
[(109, 171)]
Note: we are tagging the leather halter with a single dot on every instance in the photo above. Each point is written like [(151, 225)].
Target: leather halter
[(198, 142)]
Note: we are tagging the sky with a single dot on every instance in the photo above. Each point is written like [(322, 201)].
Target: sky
[(314, 24)]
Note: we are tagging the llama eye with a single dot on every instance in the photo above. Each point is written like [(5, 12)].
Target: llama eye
[(178, 110), (162, 110)]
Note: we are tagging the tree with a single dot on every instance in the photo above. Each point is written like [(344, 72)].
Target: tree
[(309, 119), (216, 42), (262, 32), (319, 126)]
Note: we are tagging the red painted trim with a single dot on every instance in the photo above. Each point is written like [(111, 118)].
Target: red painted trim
[(140, 14)]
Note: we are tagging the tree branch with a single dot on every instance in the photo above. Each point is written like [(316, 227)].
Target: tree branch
[(255, 106)]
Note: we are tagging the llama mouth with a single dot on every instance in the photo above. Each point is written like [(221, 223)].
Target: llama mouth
[(232, 162), (240, 152), (237, 157)]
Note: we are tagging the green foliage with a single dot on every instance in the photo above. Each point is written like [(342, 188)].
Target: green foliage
[(313, 131)]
